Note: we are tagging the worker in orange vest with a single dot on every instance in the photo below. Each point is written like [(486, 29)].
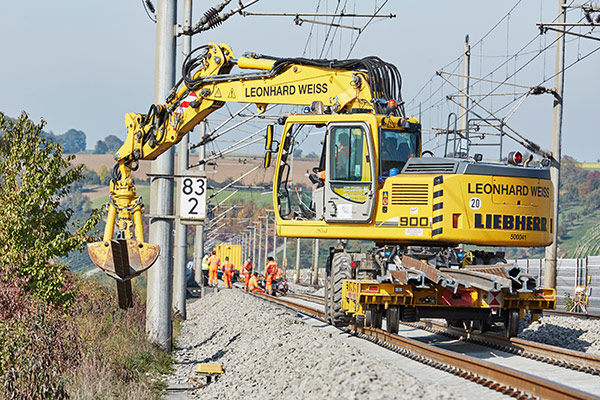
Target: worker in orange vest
[(279, 273), (253, 284), (213, 269), (270, 272), (247, 270), (228, 269)]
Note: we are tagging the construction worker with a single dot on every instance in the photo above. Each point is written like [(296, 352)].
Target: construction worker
[(228, 269), (205, 269), (213, 269), (247, 271), (253, 284), (318, 180), (279, 273), (270, 272)]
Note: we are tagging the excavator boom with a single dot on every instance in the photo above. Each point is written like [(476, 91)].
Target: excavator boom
[(206, 85)]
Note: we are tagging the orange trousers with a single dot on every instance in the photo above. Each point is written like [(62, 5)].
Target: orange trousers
[(213, 273), (246, 281), (228, 279), (269, 284)]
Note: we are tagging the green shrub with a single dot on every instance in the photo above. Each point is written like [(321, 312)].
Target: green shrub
[(34, 228)]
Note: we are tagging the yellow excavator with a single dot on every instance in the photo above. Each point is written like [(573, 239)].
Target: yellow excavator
[(373, 182)]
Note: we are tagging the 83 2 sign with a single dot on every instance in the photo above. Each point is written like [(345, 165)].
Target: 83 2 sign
[(192, 198)]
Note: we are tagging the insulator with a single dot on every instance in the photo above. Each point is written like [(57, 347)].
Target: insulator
[(212, 18)]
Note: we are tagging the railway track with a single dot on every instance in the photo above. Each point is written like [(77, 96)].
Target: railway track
[(562, 313), (506, 380), (566, 358), (553, 355)]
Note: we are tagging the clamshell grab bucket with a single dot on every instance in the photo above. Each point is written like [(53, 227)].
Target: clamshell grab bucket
[(123, 259)]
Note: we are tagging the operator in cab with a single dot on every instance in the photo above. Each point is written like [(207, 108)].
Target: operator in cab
[(396, 148)]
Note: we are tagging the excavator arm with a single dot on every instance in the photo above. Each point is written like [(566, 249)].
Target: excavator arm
[(206, 85)]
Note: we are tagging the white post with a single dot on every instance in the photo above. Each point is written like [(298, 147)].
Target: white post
[(559, 82), (160, 276), (179, 281)]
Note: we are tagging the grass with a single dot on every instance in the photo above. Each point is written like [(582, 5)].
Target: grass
[(89, 350), (579, 227), (260, 199)]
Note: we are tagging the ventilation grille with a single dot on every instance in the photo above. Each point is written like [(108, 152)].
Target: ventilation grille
[(430, 168), (410, 194)]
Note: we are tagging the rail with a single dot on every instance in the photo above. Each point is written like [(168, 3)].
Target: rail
[(562, 313), (499, 378), (548, 354)]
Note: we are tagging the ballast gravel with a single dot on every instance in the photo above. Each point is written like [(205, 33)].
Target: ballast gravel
[(566, 332), (268, 353)]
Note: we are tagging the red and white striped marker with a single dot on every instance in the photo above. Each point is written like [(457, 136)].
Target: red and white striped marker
[(185, 103)]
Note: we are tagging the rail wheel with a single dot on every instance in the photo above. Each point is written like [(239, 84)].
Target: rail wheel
[(360, 320), (392, 319), (481, 325), (376, 316), (511, 323), (455, 323), (368, 318), (340, 270)]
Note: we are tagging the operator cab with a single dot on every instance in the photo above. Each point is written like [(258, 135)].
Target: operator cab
[(342, 186)]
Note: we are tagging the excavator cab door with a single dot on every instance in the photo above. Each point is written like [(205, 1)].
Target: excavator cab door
[(350, 173)]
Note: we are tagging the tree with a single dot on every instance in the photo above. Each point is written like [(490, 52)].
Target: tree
[(90, 176), (104, 175), (113, 143), (101, 147), (34, 229), (73, 141)]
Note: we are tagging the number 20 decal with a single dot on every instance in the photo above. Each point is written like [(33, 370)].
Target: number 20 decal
[(475, 203)]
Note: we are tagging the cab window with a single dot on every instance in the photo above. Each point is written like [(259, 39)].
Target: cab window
[(349, 151), (396, 147)]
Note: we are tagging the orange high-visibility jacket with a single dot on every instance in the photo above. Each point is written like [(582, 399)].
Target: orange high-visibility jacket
[(271, 268), (214, 262), (247, 267), (228, 267), (253, 284)]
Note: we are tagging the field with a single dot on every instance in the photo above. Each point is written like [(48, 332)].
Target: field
[(590, 165), (226, 169)]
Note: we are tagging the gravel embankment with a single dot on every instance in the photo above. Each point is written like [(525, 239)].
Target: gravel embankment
[(268, 353), (301, 289), (571, 333)]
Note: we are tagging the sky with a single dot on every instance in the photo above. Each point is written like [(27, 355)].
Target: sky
[(84, 65)]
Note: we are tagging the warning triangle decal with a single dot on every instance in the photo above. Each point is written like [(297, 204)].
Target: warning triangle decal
[(218, 94)]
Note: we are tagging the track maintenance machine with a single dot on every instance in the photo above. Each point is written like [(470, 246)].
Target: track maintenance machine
[(373, 182)]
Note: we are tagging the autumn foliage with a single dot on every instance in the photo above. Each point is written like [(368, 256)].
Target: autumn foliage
[(61, 336)]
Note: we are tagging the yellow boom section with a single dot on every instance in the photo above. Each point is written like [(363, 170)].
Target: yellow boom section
[(208, 87)]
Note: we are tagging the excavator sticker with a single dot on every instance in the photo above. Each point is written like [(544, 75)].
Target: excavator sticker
[(516, 222)]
